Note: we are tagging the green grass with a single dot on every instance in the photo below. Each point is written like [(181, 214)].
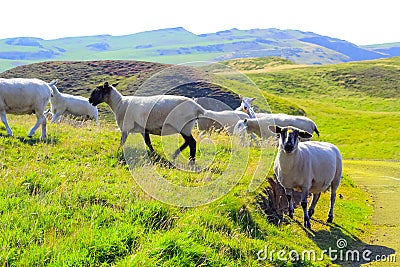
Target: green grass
[(71, 200)]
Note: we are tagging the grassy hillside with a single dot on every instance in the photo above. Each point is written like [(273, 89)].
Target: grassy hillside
[(72, 200)]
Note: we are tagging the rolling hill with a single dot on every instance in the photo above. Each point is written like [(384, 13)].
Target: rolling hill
[(177, 45)]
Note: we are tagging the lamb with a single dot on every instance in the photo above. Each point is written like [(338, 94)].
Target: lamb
[(308, 167), (260, 124), (159, 115), (70, 104), (24, 96)]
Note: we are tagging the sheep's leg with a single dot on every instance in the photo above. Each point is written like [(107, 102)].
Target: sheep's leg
[(124, 136), (4, 120), (41, 120), (334, 187), (333, 199), (44, 122), (191, 142), (289, 194), (313, 204), (192, 147), (254, 138), (304, 195), (182, 147), (55, 117), (147, 140)]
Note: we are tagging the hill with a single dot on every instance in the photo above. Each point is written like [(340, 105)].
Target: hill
[(73, 199), (177, 45)]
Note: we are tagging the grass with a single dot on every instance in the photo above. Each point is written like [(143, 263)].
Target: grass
[(71, 200)]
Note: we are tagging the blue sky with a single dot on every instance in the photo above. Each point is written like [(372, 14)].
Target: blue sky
[(360, 22)]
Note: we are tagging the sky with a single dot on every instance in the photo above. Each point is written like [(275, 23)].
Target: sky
[(360, 22)]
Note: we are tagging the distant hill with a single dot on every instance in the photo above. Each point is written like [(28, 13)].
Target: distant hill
[(81, 77), (177, 45)]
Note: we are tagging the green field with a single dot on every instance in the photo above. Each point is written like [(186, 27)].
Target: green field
[(73, 201)]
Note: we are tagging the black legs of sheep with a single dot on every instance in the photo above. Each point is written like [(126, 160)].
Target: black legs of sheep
[(191, 142)]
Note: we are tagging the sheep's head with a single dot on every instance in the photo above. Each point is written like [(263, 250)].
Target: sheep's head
[(246, 107), (100, 94), (289, 137), (240, 128)]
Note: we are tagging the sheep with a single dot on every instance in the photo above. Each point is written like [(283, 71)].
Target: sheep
[(308, 167), (158, 115), (283, 120), (260, 124), (225, 119), (24, 96), (70, 104), (220, 117)]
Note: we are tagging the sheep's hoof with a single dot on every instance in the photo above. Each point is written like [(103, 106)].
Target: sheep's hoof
[(330, 219), (191, 162)]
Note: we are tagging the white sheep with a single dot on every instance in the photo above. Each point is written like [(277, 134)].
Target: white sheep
[(283, 120), (308, 167), (225, 119), (24, 96), (70, 104), (260, 124), (159, 115), (221, 116)]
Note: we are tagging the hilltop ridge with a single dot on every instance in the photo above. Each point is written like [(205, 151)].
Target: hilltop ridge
[(177, 45)]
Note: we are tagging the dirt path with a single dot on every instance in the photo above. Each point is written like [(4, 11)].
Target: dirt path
[(381, 179)]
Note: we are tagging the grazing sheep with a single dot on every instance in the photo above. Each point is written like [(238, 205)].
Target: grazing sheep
[(308, 167), (24, 96), (225, 119), (69, 104), (220, 116), (260, 124), (159, 115)]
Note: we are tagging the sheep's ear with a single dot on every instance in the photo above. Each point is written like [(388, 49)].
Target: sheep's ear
[(115, 84), (305, 135), (252, 99), (105, 85), (275, 129), (241, 97)]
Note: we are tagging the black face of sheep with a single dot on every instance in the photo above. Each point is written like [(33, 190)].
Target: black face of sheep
[(289, 137), (100, 94)]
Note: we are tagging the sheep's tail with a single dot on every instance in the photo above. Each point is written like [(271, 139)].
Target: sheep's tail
[(200, 111), (316, 131)]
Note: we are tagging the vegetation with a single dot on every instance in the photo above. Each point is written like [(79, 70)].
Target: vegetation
[(74, 200)]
